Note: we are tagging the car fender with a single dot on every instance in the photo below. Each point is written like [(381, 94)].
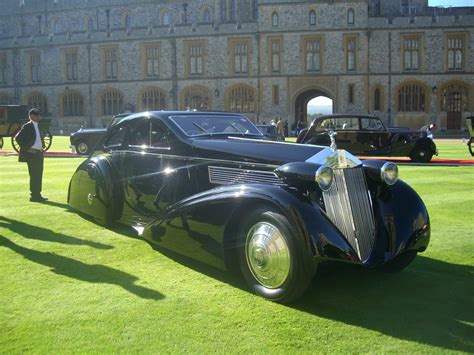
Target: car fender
[(93, 191), (317, 236)]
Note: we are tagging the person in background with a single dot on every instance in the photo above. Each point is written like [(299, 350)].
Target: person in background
[(30, 140), (429, 130), (285, 128), (279, 126)]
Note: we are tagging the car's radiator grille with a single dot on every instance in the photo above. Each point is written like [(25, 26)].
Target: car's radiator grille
[(224, 176), (349, 207)]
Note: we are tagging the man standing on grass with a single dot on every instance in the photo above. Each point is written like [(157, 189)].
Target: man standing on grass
[(30, 140)]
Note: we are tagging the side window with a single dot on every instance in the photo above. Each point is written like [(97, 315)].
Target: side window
[(371, 124), (115, 138), (159, 136), (350, 123), (140, 135), (328, 123)]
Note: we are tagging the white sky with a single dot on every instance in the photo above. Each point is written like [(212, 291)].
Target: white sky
[(320, 101), (451, 2)]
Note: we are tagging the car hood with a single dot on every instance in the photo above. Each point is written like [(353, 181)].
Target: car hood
[(253, 150)]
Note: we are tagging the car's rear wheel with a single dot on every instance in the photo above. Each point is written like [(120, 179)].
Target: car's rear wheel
[(421, 154), (469, 144), (270, 257), (82, 148), (400, 262)]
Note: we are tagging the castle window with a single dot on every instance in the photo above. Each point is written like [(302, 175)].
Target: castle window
[(351, 54), (350, 17), (351, 93), (275, 54), (152, 60), (90, 27), (196, 98), (274, 20), (34, 61), (5, 99), (128, 23), (312, 48), (377, 100), (194, 57), (312, 18), (109, 57), (241, 99), (73, 104), (206, 15), (71, 69), (165, 18), (152, 99), (241, 58), (37, 100), (411, 98), (411, 53), (111, 102), (254, 4), (455, 52), (275, 94)]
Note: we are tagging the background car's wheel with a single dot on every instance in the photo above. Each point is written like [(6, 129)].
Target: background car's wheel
[(47, 140), (469, 144), (15, 144), (400, 262), (1, 142), (421, 154), (270, 257), (82, 148)]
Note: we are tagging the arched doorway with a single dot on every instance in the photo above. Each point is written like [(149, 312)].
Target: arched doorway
[(303, 99), (454, 101)]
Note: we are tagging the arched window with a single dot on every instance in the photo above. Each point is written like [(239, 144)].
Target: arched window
[(5, 99), (350, 17), (22, 27), (312, 18), (411, 98), (206, 15), (196, 98), (152, 99), (165, 18), (254, 4), (241, 99), (72, 104), (274, 20), (111, 102), (37, 100), (377, 100), (127, 23)]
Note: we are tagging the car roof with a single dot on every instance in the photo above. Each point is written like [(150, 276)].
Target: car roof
[(167, 114)]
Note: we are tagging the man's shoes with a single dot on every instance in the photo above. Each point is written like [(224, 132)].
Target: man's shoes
[(38, 199)]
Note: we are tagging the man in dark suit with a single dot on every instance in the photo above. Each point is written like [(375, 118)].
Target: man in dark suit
[(30, 140)]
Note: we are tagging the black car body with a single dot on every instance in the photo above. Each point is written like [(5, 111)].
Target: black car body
[(85, 140), (271, 133), (228, 197), (367, 136)]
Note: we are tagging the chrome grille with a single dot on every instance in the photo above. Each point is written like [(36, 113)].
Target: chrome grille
[(349, 207), (225, 176)]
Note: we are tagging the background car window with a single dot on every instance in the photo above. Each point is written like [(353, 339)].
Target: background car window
[(349, 123), (115, 137), (149, 134), (371, 124), (328, 123), (140, 136)]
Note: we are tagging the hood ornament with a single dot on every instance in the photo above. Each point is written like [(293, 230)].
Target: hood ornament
[(332, 136)]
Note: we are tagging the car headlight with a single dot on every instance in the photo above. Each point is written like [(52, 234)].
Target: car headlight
[(389, 173), (324, 177)]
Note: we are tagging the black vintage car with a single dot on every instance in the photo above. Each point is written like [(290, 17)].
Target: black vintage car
[(367, 135), (470, 127), (271, 132), (85, 140), (209, 187)]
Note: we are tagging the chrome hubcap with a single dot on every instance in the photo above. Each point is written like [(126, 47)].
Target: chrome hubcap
[(82, 148), (267, 254)]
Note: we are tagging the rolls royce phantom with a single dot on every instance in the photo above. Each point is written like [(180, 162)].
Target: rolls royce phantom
[(210, 187)]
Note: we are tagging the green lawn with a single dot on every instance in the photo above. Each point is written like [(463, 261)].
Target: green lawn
[(69, 285)]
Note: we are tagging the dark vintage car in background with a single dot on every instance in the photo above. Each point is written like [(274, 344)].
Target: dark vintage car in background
[(270, 132), (85, 140), (209, 187), (367, 136), (470, 128)]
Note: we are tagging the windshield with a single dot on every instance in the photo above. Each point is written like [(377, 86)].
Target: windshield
[(197, 125)]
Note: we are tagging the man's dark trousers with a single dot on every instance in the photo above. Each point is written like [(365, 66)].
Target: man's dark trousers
[(35, 169)]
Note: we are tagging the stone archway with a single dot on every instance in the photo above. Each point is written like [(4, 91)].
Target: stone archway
[(301, 103)]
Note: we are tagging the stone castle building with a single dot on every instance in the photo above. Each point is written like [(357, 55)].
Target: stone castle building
[(82, 61)]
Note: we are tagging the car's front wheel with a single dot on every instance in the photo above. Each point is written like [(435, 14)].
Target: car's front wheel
[(421, 154), (82, 148), (270, 257)]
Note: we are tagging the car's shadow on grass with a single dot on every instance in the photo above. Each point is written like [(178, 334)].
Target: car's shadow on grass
[(93, 273), (431, 302), (47, 235)]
